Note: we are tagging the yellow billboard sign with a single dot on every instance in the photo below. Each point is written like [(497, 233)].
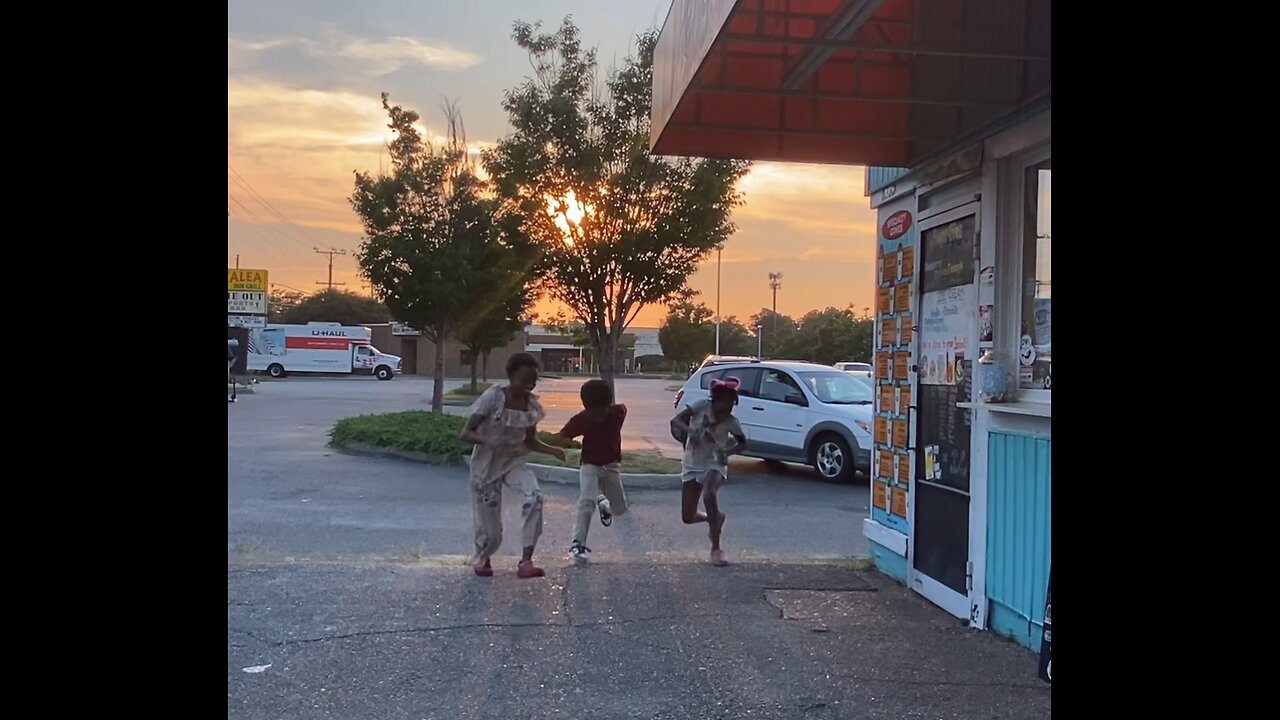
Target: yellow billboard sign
[(246, 280)]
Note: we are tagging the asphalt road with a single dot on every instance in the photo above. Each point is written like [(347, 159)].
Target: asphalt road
[(289, 495)]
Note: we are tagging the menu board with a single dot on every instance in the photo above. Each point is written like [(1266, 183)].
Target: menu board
[(882, 429), (889, 331), (900, 433), (948, 254), (901, 366), (886, 464), (899, 506), (940, 423), (880, 495)]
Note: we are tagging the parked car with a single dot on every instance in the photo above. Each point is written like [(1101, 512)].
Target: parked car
[(796, 412), (725, 359)]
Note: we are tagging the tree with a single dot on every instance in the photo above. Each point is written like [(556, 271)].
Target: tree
[(280, 301), (619, 227), (434, 251), (776, 329), (340, 306), (829, 336), (493, 331), (735, 339), (687, 334)]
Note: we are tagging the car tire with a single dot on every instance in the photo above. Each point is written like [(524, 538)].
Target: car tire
[(832, 459), (276, 370), (383, 373)]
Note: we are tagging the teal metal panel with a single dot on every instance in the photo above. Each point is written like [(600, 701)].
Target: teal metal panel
[(1019, 533)]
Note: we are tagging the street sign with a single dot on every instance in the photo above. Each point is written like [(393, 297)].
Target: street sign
[(249, 321)]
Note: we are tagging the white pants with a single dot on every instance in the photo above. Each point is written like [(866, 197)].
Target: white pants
[(486, 509), (594, 482)]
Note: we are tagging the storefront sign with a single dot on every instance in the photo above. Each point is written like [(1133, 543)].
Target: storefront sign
[(896, 225)]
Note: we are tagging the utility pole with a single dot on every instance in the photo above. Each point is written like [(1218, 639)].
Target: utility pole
[(237, 261), (330, 252), (775, 282), (719, 249)]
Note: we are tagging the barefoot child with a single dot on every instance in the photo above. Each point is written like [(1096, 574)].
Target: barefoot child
[(710, 434), (599, 481), (503, 424)]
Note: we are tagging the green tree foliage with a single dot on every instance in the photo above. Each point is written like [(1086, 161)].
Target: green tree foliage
[(619, 228)]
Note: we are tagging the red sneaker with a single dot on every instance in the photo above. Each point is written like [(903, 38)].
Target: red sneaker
[(485, 570), (528, 570)]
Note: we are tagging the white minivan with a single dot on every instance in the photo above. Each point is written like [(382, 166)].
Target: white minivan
[(796, 412)]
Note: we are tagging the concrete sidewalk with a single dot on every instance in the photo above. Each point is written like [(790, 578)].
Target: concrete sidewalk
[(679, 641)]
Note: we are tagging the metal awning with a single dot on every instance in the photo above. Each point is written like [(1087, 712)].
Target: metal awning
[(868, 82)]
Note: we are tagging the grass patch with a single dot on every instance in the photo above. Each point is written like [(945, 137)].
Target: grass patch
[(464, 392), (638, 461), (437, 434), (415, 430)]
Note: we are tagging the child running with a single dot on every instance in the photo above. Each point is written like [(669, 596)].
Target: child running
[(503, 424), (710, 434), (599, 479)]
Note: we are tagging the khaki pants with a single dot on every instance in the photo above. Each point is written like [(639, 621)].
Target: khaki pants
[(486, 510), (595, 482)]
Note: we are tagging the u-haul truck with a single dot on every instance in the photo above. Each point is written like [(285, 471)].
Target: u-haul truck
[(318, 347)]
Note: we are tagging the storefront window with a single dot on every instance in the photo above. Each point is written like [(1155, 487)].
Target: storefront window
[(1035, 347)]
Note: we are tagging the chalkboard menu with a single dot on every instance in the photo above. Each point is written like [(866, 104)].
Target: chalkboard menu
[(947, 427), (948, 254), (1046, 642)]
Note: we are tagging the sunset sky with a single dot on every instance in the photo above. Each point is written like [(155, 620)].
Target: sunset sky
[(303, 113)]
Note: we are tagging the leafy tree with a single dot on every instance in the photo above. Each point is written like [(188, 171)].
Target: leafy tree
[(619, 228), (829, 336), (279, 302), (434, 251), (735, 339), (687, 334), (338, 306), (493, 331), (776, 329)]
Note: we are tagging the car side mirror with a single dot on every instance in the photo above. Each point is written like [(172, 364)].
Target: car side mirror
[(797, 400)]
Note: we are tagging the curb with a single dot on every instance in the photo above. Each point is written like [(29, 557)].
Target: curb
[(545, 473)]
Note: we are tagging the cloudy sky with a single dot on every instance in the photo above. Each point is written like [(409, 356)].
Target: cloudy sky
[(303, 113)]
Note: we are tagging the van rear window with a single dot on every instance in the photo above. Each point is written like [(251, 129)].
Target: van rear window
[(707, 377)]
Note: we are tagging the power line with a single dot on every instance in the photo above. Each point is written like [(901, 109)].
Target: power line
[(265, 231), (330, 252)]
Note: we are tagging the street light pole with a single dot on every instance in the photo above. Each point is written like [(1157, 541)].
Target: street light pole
[(719, 249)]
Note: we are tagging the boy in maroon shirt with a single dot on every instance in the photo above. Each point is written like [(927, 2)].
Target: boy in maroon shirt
[(599, 478)]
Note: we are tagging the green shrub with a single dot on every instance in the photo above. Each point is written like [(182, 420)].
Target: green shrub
[(416, 430)]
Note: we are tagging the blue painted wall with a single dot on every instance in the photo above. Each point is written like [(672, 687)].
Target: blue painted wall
[(888, 562), (1019, 534)]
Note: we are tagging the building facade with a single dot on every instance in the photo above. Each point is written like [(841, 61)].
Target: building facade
[(418, 354), (948, 103)]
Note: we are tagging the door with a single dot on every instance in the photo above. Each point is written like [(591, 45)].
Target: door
[(409, 354), (940, 567), (779, 412), (363, 359)]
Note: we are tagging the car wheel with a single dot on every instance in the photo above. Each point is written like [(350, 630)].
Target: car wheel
[(383, 372), (832, 458), (276, 370)]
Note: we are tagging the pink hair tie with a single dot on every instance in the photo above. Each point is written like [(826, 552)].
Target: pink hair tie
[(731, 383)]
